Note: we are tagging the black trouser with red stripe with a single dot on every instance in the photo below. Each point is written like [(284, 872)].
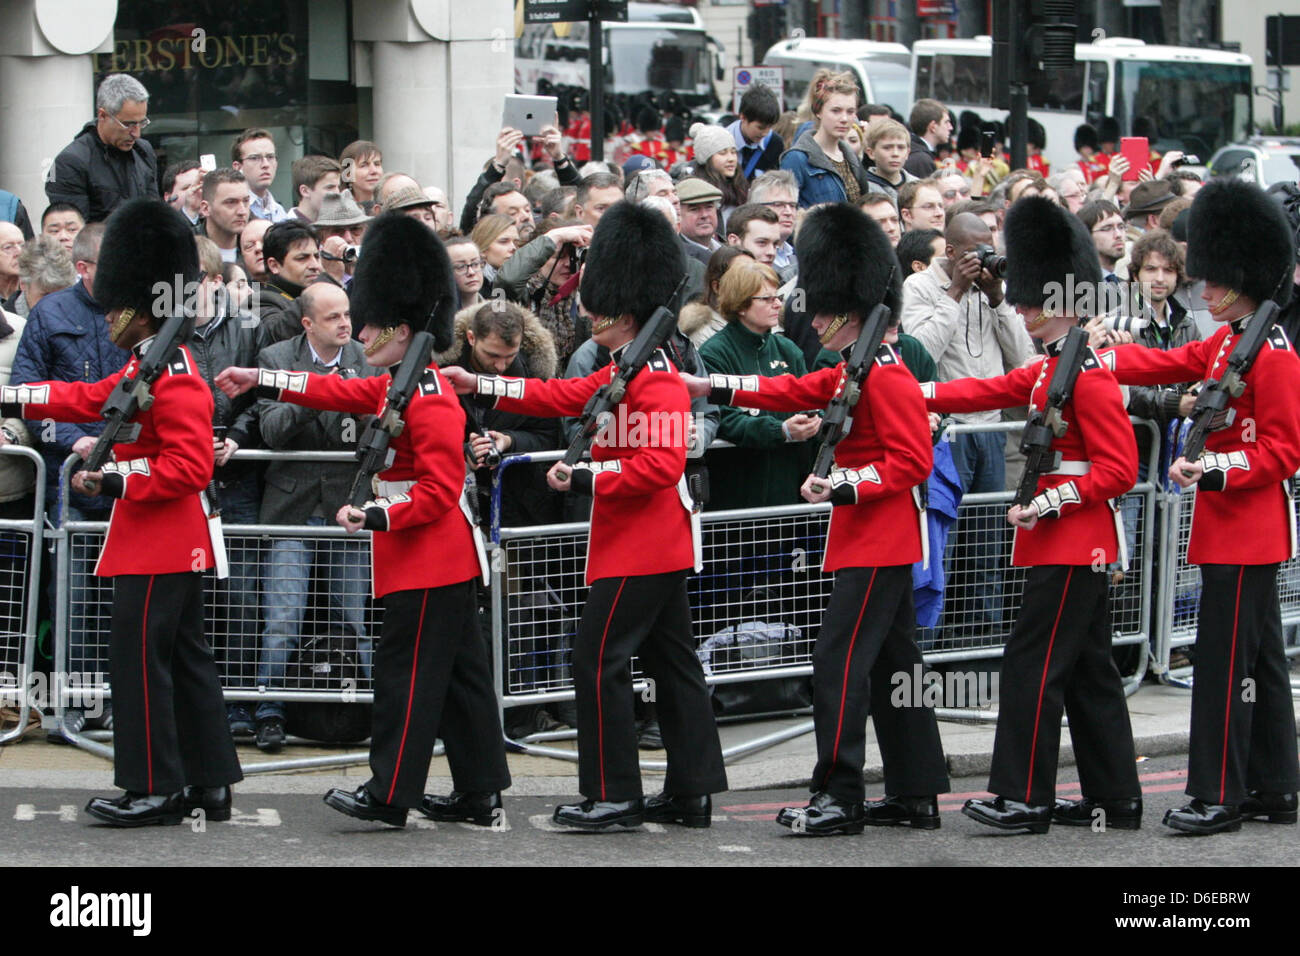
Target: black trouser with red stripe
[(169, 721), (1058, 658), (1243, 715), (431, 679), (647, 615), (868, 634)]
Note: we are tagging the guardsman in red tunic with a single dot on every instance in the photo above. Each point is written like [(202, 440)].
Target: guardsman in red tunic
[(431, 672), (877, 532), (644, 541), (172, 749), (1242, 752), (1058, 655)]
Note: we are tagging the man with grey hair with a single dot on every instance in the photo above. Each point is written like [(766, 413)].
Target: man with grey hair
[(778, 190), (108, 162), (44, 266)]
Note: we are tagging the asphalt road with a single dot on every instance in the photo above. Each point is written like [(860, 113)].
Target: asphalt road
[(46, 827)]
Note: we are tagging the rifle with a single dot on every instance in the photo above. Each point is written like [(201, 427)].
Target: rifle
[(606, 398), (134, 394), (1046, 423), (1213, 398), (373, 451), (839, 413)]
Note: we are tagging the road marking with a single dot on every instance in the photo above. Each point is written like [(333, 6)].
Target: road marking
[(734, 848), (261, 818), (27, 812)]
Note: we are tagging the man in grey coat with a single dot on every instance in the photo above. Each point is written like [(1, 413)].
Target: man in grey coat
[(309, 493)]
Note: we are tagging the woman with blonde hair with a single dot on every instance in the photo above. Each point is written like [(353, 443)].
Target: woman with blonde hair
[(772, 454), (497, 237)]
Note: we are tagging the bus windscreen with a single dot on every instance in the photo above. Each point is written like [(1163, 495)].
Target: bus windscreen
[(1195, 107)]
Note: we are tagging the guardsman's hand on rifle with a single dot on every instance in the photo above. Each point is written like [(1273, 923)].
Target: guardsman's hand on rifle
[(465, 383), (350, 519), (696, 386), (560, 477), (83, 446), (1186, 473), (88, 483), (815, 490), (236, 381), (1025, 517)]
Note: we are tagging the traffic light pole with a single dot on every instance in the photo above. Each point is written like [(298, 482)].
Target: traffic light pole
[(596, 82), (1018, 122)]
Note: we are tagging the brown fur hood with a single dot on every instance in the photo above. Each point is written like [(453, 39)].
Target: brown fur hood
[(538, 347), (698, 322)]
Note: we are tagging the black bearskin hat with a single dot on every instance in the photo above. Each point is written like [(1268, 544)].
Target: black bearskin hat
[(1048, 250), (1037, 135), (634, 264), (145, 242), (846, 263), (1086, 135), (1239, 237), (404, 277)]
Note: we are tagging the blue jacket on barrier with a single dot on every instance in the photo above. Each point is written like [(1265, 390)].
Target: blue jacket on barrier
[(66, 340)]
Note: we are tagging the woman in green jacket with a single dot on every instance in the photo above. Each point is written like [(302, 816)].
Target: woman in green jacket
[(773, 453)]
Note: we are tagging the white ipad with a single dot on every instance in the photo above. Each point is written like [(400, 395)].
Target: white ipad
[(528, 114)]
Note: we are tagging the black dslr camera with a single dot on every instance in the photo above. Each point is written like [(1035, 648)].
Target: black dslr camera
[(991, 261)]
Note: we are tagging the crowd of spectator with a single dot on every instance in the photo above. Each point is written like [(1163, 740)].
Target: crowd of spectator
[(278, 272)]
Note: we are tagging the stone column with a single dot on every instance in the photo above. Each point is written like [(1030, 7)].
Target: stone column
[(440, 71), (46, 85)]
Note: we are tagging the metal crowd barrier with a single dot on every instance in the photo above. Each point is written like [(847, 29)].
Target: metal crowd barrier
[(334, 671), (762, 569), (20, 561), (1179, 587)]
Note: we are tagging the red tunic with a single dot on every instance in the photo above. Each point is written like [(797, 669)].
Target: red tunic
[(1243, 512), (1036, 163), (158, 525), (1077, 523), (639, 523), (423, 537), (885, 454)]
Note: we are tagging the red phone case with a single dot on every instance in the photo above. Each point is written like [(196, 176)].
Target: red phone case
[(1137, 151)]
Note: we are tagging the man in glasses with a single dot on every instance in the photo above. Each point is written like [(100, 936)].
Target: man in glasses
[(1106, 224), (109, 161)]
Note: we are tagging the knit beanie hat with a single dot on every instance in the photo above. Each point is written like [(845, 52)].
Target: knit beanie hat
[(709, 140)]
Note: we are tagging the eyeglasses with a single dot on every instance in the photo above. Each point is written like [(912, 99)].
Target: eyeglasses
[(954, 193), (768, 298), (260, 158), (138, 125), (465, 268), (1113, 227), (781, 205)]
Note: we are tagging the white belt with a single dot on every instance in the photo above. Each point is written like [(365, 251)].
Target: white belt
[(389, 489), (216, 537), (697, 531), (1072, 468)]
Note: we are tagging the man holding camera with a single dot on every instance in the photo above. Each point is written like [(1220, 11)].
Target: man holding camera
[(957, 310)]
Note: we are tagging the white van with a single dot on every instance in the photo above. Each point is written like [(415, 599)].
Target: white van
[(883, 70)]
